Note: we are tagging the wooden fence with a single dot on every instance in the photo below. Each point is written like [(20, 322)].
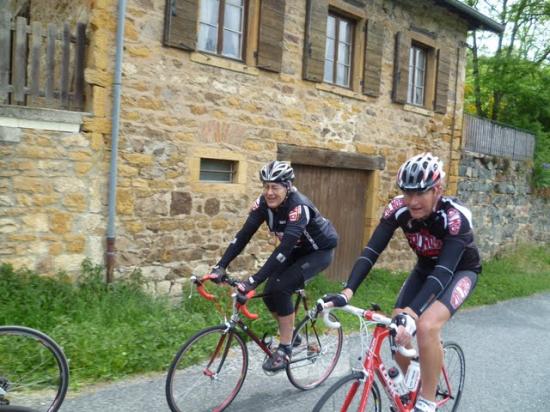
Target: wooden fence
[(485, 136), (37, 67)]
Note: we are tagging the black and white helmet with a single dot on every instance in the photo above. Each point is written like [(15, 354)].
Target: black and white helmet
[(277, 172), (420, 173)]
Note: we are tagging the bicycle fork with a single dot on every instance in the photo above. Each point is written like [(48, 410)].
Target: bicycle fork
[(226, 338)]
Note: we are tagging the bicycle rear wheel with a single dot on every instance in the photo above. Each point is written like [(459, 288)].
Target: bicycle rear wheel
[(208, 371), (345, 395), (451, 380), (317, 353), (34, 374)]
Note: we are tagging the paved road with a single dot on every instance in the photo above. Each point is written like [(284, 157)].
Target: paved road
[(507, 357)]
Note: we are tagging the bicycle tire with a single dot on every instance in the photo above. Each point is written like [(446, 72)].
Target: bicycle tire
[(314, 359), (451, 380), (193, 384), (34, 371), (333, 398)]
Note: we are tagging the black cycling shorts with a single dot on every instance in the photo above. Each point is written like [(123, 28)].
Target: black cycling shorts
[(279, 288), (453, 296)]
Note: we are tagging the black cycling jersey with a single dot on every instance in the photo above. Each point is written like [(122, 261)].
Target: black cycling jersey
[(444, 244), (296, 222)]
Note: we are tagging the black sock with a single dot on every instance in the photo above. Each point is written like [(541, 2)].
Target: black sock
[(286, 348)]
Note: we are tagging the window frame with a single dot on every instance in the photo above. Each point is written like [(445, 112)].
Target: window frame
[(220, 31), (412, 86), (352, 45), (232, 172), (429, 45)]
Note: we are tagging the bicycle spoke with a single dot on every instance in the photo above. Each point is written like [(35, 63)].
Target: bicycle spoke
[(33, 370), (219, 362), (316, 356)]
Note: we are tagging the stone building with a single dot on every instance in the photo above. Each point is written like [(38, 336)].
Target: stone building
[(210, 90)]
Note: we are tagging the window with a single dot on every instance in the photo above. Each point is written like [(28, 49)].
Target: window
[(417, 75), (339, 50), (218, 171), (249, 33), (221, 27)]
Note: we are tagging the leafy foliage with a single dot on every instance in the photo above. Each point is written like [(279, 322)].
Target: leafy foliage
[(512, 84)]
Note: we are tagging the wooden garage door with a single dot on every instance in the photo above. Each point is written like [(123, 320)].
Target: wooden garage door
[(340, 195)]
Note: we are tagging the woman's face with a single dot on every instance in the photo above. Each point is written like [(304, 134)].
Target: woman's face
[(274, 194), (421, 204)]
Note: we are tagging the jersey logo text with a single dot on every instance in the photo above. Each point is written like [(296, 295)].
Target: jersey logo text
[(295, 214), (396, 204), (454, 221)]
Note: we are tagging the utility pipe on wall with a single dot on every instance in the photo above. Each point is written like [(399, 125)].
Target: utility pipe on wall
[(111, 205)]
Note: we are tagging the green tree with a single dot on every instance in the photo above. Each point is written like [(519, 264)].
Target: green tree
[(511, 83)]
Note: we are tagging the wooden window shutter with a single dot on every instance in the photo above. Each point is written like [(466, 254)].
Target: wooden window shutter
[(315, 40), (442, 83), (373, 58), (401, 68), (270, 43), (180, 24)]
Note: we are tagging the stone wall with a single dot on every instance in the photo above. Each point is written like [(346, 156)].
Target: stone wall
[(504, 208), (178, 106), (52, 197)]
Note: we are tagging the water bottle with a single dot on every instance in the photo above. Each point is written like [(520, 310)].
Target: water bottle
[(413, 375), (397, 378)]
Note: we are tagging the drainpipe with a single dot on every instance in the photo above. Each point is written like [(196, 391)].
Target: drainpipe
[(111, 253)]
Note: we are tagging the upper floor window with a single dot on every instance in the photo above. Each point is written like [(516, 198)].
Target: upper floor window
[(221, 27), (339, 50), (417, 75)]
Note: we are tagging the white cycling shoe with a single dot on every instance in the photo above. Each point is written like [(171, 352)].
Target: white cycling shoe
[(424, 405)]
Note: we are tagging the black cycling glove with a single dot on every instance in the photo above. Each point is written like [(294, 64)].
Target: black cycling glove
[(337, 299)]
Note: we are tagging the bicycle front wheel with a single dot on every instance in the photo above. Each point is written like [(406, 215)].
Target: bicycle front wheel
[(315, 354), (208, 371), (34, 374), (451, 379), (345, 395)]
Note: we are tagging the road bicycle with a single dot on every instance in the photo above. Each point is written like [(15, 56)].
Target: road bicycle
[(34, 373), (209, 369), (359, 391)]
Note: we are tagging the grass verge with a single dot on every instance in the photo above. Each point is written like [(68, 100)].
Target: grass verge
[(111, 331)]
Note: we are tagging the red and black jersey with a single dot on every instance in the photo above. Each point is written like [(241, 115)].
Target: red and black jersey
[(296, 222), (444, 242)]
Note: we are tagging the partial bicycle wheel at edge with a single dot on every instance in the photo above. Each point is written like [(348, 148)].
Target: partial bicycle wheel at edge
[(349, 388), (208, 371), (316, 351), (451, 380), (34, 372)]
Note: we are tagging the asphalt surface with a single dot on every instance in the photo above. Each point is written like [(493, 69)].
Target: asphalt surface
[(507, 369)]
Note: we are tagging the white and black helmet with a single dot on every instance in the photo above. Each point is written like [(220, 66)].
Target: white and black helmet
[(277, 172), (420, 173)]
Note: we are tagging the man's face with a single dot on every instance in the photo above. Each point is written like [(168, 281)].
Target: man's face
[(421, 204), (275, 194)]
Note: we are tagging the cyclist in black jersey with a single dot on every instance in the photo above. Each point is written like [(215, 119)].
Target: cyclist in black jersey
[(439, 230), (307, 242)]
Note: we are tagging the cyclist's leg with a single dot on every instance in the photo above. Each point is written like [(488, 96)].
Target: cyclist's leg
[(280, 288), (430, 324), (409, 290)]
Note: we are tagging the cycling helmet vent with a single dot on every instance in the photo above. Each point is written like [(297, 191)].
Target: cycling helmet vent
[(277, 172), (420, 173)]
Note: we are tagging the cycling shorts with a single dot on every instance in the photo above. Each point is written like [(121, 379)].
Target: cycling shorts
[(280, 287), (452, 296)]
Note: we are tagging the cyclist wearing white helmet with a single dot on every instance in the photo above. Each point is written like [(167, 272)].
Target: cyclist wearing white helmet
[(307, 242), (439, 230)]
